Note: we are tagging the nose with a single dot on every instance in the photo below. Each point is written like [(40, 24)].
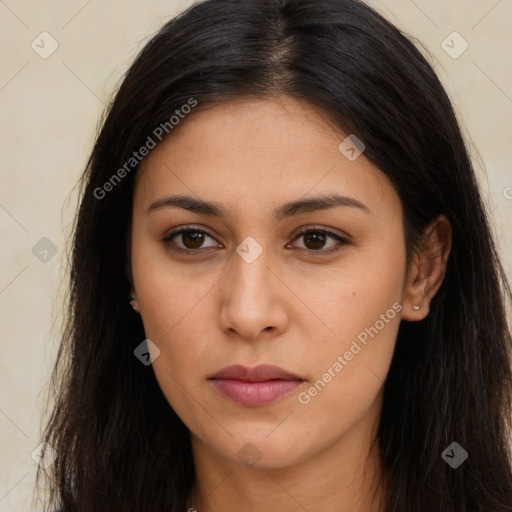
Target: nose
[(253, 300)]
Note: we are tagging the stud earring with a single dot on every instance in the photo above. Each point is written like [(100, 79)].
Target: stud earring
[(133, 303), (416, 307)]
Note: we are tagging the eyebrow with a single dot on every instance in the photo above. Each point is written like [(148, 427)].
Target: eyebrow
[(289, 209)]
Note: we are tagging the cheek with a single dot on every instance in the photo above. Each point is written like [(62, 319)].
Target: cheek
[(167, 292), (178, 318), (363, 313), (356, 295), (348, 372), (173, 305), (180, 324)]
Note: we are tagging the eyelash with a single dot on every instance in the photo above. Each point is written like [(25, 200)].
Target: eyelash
[(320, 252)]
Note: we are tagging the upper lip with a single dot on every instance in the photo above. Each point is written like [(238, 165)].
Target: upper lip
[(259, 373)]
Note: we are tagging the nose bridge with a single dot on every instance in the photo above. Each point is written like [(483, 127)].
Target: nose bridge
[(249, 301), (250, 272)]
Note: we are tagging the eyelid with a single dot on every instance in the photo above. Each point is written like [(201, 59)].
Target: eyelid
[(342, 240), (167, 239), (318, 227)]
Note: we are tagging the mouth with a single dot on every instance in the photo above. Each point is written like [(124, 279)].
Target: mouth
[(256, 386)]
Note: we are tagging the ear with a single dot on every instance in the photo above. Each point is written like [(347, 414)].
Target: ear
[(427, 269), (133, 301), (128, 270)]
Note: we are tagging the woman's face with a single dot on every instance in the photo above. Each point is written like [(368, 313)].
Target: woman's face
[(249, 288)]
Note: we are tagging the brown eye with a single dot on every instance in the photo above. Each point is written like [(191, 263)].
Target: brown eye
[(315, 240), (192, 239), (187, 239)]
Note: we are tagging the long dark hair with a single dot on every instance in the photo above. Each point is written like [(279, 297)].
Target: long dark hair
[(119, 444)]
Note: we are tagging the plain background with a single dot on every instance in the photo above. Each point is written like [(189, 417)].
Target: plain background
[(50, 109)]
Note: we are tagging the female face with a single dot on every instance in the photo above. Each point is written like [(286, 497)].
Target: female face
[(294, 257)]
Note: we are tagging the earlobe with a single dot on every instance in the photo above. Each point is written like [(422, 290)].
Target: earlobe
[(134, 303), (427, 269)]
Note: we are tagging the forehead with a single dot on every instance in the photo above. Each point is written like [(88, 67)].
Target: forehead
[(257, 152)]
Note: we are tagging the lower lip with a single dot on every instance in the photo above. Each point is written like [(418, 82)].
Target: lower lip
[(255, 393)]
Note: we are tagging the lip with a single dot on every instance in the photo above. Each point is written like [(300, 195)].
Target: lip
[(256, 386)]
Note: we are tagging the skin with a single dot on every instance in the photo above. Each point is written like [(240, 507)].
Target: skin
[(288, 307)]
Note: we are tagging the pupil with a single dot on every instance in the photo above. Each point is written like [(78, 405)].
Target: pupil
[(197, 239), (318, 240)]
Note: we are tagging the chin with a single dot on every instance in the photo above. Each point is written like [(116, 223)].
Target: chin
[(264, 451)]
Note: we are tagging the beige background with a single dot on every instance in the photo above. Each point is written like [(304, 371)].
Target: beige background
[(50, 109)]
